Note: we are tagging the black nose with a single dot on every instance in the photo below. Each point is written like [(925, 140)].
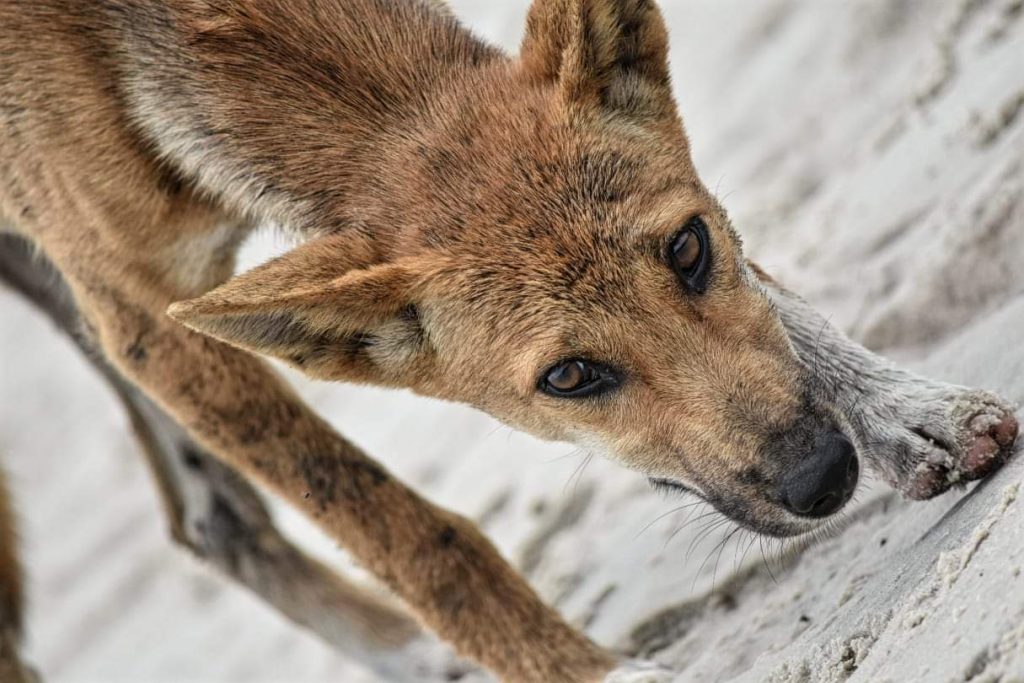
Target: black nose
[(824, 480)]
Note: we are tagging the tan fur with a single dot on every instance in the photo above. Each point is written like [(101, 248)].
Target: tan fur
[(471, 219)]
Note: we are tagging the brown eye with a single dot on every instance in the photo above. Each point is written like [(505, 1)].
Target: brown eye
[(686, 251), (568, 376), (577, 378), (689, 255)]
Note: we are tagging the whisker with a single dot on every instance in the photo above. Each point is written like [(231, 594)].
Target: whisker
[(705, 531), (817, 345), (577, 474), (721, 549), (571, 453), (736, 559), (753, 539), (660, 517), (760, 542), (687, 522), (495, 430)]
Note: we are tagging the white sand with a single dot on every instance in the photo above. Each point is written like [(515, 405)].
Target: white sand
[(872, 153)]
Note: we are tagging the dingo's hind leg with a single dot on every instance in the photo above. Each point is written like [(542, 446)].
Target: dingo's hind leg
[(216, 514), (12, 668)]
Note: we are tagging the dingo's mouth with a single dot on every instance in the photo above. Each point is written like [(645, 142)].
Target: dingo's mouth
[(768, 518)]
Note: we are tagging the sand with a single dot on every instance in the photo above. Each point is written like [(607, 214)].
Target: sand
[(872, 154)]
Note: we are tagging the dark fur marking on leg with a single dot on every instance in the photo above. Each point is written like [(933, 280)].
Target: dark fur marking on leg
[(136, 351), (192, 457), (226, 533), (447, 536), (334, 478)]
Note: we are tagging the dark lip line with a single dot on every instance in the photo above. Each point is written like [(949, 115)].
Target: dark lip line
[(773, 531), (670, 484)]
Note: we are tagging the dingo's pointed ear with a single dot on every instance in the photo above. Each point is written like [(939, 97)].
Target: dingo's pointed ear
[(613, 53), (304, 308)]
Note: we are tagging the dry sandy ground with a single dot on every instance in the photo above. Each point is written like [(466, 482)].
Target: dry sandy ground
[(872, 153)]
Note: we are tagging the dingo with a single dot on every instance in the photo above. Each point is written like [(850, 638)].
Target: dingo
[(524, 234)]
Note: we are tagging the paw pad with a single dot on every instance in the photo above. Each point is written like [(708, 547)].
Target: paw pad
[(991, 447), (967, 436)]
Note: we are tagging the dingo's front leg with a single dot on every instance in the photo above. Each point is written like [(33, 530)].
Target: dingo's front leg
[(922, 436)]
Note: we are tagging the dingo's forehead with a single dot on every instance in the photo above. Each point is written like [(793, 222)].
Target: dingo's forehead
[(566, 211)]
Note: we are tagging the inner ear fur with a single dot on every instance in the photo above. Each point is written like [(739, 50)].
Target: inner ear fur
[(608, 53), (313, 310)]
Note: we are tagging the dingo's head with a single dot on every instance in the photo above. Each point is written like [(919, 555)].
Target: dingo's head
[(539, 245)]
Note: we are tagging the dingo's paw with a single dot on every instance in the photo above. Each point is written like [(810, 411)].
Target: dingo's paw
[(928, 437)]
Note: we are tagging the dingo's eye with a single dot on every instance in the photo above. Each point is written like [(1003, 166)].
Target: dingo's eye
[(577, 378), (689, 254)]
